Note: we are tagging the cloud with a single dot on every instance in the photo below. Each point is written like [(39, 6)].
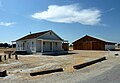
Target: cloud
[(70, 14), (109, 10), (112, 9), (7, 23), (104, 25)]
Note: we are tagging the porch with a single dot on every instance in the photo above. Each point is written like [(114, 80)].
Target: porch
[(48, 46)]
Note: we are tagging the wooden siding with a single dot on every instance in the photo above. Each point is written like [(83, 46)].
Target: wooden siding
[(65, 46), (98, 46), (89, 43), (89, 46)]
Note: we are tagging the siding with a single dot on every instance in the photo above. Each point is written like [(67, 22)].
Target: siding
[(109, 47), (52, 42), (57, 47), (49, 36), (29, 45), (89, 43), (65, 46), (46, 46), (38, 46)]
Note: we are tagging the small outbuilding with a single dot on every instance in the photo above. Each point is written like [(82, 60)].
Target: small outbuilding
[(91, 43)]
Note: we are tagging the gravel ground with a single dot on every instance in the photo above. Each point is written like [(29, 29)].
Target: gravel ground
[(110, 76), (68, 77), (83, 74)]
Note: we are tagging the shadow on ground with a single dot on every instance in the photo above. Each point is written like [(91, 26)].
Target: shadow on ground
[(59, 54)]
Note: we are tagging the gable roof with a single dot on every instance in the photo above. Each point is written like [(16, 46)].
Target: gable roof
[(35, 35), (31, 36), (107, 42), (57, 35)]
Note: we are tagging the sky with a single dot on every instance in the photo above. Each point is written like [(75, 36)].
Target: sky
[(70, 19)]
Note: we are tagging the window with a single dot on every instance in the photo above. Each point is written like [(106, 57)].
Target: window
[(56, 44), (32, 45), (28, 45), (18, 47), (43, 43)]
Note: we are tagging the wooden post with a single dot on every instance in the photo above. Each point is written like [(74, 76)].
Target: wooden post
[(5, 57), (9, 56), (3, 73), (16, 56), (52, 46), (0, 58), (41, 46)]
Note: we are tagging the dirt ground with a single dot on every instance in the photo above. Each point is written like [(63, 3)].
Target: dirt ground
[(6, 49), (31, 63)]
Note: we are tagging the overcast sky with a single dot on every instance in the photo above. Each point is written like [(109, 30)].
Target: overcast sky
[(70, 19)]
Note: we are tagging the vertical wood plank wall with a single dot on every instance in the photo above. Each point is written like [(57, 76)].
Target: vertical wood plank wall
[(89, 43)]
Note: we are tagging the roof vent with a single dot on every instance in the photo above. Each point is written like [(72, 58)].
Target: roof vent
[(30, 33)]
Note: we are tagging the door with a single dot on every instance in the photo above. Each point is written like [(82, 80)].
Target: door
[(47, 46), (98, 46), (87, 46), (50, 46)]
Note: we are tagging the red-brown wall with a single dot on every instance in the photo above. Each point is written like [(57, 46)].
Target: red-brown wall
[(89, 43), (65, 46)]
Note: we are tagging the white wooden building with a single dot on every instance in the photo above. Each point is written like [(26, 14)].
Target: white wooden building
[(46, 41)]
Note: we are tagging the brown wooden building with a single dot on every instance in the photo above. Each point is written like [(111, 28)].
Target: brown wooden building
[(91, 43), (65, 46)]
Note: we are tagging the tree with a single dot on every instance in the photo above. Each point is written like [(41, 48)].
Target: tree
[(5, 45)]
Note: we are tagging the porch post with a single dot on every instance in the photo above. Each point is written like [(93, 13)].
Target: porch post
[(41, 45), (52, 46)]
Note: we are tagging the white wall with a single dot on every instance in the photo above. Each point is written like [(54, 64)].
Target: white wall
[(19, 46), (29, 45), (109, 47), (53, 47), (49, 36), (57, 47), (46, 46), (38, 46)]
